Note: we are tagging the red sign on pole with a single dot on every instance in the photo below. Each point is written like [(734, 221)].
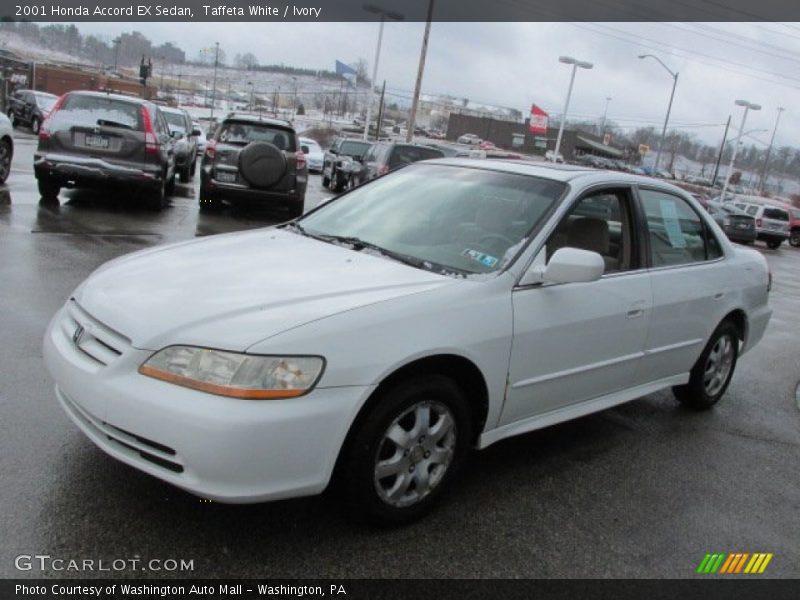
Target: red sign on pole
[(538, 122)]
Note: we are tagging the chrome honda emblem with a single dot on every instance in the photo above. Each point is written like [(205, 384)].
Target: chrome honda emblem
[(76, 337)]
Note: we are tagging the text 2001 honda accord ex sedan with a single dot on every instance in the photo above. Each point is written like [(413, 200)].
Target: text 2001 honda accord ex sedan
[(377, 339)]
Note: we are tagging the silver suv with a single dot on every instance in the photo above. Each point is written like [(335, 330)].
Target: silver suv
[(94, 139), (772, 222)]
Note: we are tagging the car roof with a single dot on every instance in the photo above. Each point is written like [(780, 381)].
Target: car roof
[(121, 97), (173, 110), (557, 172)]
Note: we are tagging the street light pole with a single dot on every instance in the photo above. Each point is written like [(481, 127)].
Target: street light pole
[(385, 14), (669, 107), (763, 179), (568, 60), (747, 107), (418, 86)]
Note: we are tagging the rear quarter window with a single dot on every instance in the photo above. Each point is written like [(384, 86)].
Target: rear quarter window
[(88, 110), (404, 155)]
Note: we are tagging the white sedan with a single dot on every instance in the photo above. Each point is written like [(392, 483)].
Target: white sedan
[(380, 337), (314, 154), (469, 138)]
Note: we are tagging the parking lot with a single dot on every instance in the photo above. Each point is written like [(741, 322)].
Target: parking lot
[(642, 490)]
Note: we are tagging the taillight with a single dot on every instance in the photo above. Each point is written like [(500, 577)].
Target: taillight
[(300, 157), (383, 170), (769, 281), (211, 149), (150, 139), (44, 129), (758, 222)]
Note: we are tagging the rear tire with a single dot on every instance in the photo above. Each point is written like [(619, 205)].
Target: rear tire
[(794, 238), (325, 181), (186, 173), (406, 451), (169, 187), (6, 154), (157, 199), (48, 189), (711, 374), (208, 203)]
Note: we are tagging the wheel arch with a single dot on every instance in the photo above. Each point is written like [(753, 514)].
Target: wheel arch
[(10, 140), (739, 319), (461, 370)]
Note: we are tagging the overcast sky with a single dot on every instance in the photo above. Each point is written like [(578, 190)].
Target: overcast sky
[(516, 64)]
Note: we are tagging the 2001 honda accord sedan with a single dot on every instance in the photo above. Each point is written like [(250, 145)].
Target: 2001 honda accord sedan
[(377, 339)]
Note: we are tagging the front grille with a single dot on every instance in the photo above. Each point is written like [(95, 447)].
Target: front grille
[(130, 443), (97, 341)]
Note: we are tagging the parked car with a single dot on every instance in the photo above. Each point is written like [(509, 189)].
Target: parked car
[(794, 225), (469, 138), (737, 224), (379, 338), (185, 134), (388, 156), (772, 222), (314, 154), (201, 140), (447, 151), (487, 145), (339, 161), (100, 140), (254, 160), (6, 147), (551, 156), (30, 108)]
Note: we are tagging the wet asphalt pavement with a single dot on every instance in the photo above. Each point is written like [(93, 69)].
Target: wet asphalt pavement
[(642, 490)]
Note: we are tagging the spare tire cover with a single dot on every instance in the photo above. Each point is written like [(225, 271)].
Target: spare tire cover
[(262, 164)]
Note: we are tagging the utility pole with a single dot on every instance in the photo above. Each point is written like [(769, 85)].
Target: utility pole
[(380, 114), (417, 87), (762, 182), (721, 148), (117, 42), (605, 113), (214, 88)]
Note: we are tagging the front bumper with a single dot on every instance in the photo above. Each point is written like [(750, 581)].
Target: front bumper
[(227, 450), (91, 172)]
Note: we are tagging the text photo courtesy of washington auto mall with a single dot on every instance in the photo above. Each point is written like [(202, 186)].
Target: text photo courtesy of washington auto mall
[(391, 299)]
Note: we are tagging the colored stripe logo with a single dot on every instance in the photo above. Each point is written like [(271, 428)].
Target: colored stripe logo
[(734, 563)]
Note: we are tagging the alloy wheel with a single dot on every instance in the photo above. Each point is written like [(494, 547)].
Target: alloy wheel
[(718, 365)]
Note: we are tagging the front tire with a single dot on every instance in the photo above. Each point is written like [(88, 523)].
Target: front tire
[(35, 125), (711, 374), (6, 154), (48, 189), (774, 244), (406, 451), (794, 238)]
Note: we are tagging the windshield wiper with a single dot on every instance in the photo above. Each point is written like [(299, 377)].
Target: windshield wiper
[(107, 123), (358, 244)]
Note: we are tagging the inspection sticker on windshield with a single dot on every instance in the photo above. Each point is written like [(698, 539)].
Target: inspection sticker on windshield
[(672, 224), (485, 259)]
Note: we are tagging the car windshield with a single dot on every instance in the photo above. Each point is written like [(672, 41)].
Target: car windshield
[(354, 148), (233, 132), (446, 218), (45, 101), (175, 120)]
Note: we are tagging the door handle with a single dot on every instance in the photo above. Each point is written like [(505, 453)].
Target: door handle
[(635, 310), (719, 295)]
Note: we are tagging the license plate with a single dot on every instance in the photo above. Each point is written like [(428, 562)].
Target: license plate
[(226, 177), (96, 141)]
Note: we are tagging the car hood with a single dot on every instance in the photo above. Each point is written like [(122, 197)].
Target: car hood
[(231, 291)]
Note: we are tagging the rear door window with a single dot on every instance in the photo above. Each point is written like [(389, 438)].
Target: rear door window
[(405, 155), (244, 133)]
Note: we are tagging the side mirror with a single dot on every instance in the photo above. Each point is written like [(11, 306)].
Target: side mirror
[(175, 134), (196, 132), (567, 265), (304, 149)]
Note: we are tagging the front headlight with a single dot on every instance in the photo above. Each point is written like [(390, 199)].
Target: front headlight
[(233, 374)]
